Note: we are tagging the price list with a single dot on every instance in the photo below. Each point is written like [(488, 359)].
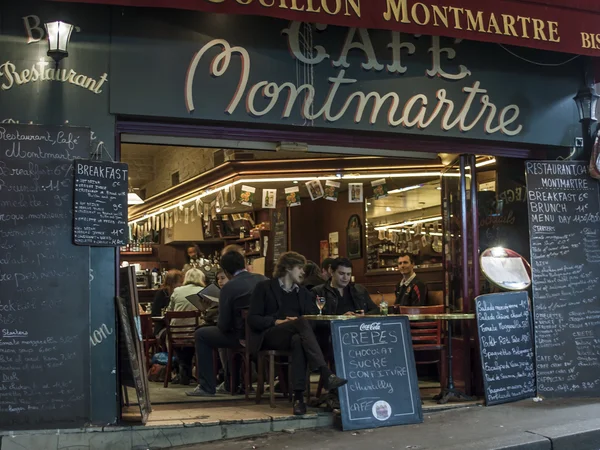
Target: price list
[(100, 203), (565, 260)]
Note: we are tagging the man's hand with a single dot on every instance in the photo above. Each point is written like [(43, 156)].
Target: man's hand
[(349, 313), (280, 321)]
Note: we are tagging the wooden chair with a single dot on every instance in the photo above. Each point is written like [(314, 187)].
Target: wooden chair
[(180, 336), (149, 340), (270, 356), (244, 353), (427, 336)]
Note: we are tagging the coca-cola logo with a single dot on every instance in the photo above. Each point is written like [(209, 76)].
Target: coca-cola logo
[(375, 326)]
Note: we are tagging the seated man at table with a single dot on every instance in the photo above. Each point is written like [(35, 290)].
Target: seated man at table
[(276, 323), (342, 297), (230, 327), (410, 291)]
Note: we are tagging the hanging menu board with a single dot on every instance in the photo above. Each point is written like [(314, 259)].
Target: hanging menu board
[(506, 346), (377, 359), (44, 281), (564, 226), (100, 203)]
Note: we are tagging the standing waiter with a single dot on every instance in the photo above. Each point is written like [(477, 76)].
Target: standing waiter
[(410, 291)]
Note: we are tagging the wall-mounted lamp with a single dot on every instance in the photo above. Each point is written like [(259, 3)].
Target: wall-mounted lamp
[(59, 34), (586, 101)]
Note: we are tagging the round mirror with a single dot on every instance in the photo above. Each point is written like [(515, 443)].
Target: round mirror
[(505, 269)]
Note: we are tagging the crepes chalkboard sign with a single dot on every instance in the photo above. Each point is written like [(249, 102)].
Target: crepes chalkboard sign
[(100, 211), (506, 346), (376, 357)]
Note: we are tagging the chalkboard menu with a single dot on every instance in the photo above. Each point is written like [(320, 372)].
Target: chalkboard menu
[(44, 280), (565, 261), (506, 346), (100, 203), (279, 233), (377, 359)]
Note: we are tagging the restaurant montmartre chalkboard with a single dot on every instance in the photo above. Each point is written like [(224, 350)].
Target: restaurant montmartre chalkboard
[(44, 280), (506, 346), (100, 203), (377, 359), (565, 262)]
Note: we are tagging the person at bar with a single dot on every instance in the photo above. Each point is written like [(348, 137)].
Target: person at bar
[(342, 297), (230, 327), (312, 276), (410, 291), (326, 268), (276, 323)]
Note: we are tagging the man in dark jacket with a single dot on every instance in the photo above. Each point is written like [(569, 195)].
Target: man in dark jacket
[(230, 329), (410, 291), (275, 319), (343, 297)]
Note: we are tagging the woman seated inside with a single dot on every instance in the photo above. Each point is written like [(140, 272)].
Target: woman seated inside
[(193, 282), (161, 301)]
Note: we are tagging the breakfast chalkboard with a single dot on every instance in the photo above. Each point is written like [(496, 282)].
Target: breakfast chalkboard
[(506, 346), (44, 281), (100, 203), (564, 227), (377, 359)]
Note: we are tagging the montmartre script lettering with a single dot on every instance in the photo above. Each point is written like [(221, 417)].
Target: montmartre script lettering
[(475, 109)]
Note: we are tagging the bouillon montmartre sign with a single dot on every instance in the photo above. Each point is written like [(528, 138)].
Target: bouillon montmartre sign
[(543, 24)]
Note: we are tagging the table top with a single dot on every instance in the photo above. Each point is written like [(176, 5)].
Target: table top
[(449, 316)]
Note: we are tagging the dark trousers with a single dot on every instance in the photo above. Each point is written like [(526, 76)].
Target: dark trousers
[(185, 356), (298, 337), (207, 339)]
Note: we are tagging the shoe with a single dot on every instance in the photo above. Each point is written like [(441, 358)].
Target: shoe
[(198, 392), (221, 389), (176, 380), (334, 382), (299, 408), (184, 379)]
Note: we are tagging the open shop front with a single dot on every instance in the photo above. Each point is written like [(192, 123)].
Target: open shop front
[(278, 136)]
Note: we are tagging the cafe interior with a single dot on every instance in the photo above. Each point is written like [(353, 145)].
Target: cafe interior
[(187, 203)]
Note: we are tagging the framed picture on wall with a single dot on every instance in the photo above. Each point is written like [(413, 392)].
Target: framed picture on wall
[(323, 251), (354, 237)]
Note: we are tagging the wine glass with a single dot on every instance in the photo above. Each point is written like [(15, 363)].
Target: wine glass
[(320, 301)]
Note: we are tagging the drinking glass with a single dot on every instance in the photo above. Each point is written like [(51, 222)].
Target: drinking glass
[(320, 304)]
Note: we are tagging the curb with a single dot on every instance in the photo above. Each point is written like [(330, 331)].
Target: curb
[(584, 435), (518, 441)]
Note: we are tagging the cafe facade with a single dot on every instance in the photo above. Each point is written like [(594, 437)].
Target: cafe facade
[(391, 79)]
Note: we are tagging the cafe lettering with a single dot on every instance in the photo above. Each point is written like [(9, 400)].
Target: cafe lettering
[(421, 111), (391, 137)]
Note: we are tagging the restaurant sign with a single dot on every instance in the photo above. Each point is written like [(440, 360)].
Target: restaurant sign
[(539, 24), (269, 71)]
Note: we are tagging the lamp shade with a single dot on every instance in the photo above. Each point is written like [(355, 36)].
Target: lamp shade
[(134, 199), (59, 34), (586, 100)]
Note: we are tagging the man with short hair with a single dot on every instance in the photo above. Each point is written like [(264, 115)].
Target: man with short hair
[(276, 323), (230, 328), (326, 268), (342, 297), (410, 291)]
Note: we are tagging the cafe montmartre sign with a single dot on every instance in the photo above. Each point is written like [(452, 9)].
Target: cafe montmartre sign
[(476, 109)]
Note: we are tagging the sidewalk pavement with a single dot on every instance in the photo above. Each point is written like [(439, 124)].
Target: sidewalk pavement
[(572, 424)]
